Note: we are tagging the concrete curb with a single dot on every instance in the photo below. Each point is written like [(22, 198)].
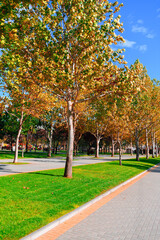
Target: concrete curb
[(62, 219)]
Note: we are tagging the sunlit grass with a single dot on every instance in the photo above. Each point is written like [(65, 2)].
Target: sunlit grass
[(30, 201), (10, 155), (38, 154)]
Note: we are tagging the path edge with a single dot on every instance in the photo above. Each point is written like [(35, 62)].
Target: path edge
[(34, 235)]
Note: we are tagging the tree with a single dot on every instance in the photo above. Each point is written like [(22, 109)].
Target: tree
[(8, 11), (30, 123), (154, 117), (76, 62), (97, 121), (48, 122), (140, 106), (21, 103), (9, 127), (80, 129)]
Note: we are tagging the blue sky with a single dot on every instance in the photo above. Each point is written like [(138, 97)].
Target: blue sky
[(141, 19)]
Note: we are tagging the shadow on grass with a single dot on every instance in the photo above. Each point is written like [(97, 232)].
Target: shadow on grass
[(46, 174), (139, 164)]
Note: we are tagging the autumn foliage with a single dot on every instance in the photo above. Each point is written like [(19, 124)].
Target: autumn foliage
[(61, 53)]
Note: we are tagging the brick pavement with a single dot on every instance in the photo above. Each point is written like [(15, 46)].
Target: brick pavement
[(133, 214)]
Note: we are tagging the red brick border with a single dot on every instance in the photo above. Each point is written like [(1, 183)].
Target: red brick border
[(63, 227)]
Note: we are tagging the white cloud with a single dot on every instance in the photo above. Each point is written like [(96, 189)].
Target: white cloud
[(143, 48), (149, 35), (158, 11), (141, 29), (128, 43), (140, 21)]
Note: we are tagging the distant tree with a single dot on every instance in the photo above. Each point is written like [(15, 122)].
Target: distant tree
[(9, 128), (140, 105)]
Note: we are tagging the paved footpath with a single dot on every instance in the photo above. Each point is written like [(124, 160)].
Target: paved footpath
[(134, 214), (38, 164)]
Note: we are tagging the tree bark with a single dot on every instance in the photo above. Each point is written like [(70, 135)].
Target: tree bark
[(76, 141), (153, 144), (50, 137), (69, 159), (97, 147), (137, 145), (11, 143), (112, 155), (75, 148), (147, 145), (156, 148), (27, 142), (22, 153), (56, 148), (120, 149), (120, 154), (17, 139), (36, 137), (131, 148)]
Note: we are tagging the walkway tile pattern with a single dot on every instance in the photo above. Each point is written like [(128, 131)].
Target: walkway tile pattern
[(134, 214)]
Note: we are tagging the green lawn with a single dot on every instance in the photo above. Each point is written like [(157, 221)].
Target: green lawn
[(38, 154), (30, 201)]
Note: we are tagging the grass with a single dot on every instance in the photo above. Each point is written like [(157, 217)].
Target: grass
[(10, 155), (109, 153), (40, 154), (30, 201)]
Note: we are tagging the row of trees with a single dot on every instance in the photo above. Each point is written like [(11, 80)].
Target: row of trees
[(130, 118), (58, 63)]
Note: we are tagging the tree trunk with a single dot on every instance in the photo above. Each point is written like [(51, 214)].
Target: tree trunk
[(49, 148), (56, 148), (50, 137), (11, 143), (112, 155), (142, 149), (97, 147), (75, 148), (27, 143), (64, 147), (131, 148), (147, 145), (153, 144), (17, 139), (120, 154), (137, 145), (69, 159), (53, 146), (156, 147), (22, 153)]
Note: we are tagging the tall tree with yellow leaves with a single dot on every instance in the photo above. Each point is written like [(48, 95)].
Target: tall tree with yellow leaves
[(67, 50), (140, 105), (21, 102)]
